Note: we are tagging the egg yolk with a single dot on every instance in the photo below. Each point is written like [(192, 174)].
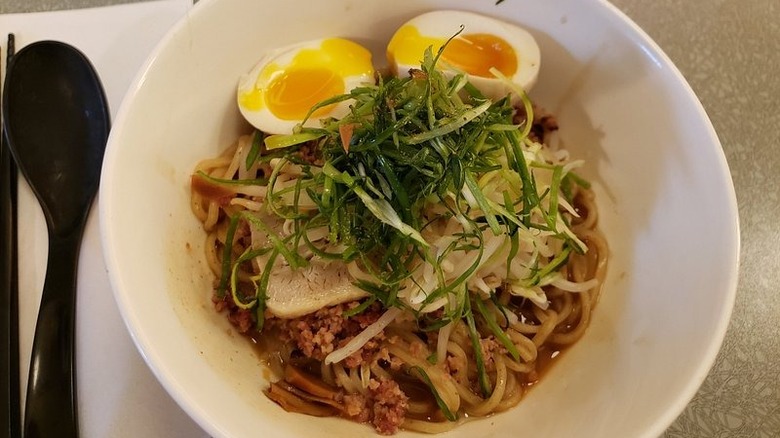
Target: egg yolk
[(314, 74), (474, 53), (294, 92)]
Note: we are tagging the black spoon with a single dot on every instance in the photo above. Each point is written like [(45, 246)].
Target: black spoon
[(57, 123)]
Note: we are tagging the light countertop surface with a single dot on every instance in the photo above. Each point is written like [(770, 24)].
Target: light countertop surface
[(729, 51)]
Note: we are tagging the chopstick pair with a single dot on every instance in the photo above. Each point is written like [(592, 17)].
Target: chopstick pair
[(10, 411)]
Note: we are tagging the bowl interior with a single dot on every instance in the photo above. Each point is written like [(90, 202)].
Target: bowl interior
[(652, 155)]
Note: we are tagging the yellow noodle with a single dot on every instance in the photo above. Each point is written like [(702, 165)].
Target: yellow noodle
[(579, 329), (198, 206), (455, 376), (445, 385), (467, 396), (525, 347), (428, 427), (356, 380), (344, 380), (380, 372), (212, 258), (498, 391), (519, 368), (548, 325), (512, 395), (460, 356)]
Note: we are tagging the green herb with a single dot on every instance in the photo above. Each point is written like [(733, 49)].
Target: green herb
[(293, 258), (380, 208), (238, 300), (514, 239), (497, 331), (232, 182), (449, 415), (360, 308), (423, 149), (227, 257), (254, 150), (261, 289), (482, 377), (501, 308), (549, 268), (552, 213), (278, 141)]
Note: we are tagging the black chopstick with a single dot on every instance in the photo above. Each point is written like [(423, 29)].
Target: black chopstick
[(10, 411)]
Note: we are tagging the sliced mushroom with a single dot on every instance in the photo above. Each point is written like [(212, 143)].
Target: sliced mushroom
[(281, 393), (311, 384)]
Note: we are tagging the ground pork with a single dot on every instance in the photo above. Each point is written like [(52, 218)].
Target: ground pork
[(389, 406), (355, 407), (384, 405), (385, 359), (242, 319), (318, 334)]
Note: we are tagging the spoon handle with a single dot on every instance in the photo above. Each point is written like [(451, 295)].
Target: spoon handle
[(50, 409)]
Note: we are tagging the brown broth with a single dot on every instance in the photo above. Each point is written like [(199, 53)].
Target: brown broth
[(276, 354)]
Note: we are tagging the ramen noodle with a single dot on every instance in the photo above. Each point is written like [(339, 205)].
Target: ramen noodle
[(412, 265)]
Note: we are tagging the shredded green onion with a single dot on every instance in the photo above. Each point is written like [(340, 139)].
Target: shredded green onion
[(360, 308), (448, 414), (484, 380), (227, 257), (278, 141), (232, 182), (497, 331), (426, 152), (424, 149), (254, 150)]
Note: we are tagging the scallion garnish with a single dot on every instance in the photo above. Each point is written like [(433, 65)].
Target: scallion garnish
[(412, 154), (482, 377), (254, 150), (448, 414), (498, 332), (227, 257), (232, 182)]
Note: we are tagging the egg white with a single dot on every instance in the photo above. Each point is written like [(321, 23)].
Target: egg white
[(277, 61), (446, 23)]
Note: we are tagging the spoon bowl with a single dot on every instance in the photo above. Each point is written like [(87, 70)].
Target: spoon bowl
[(56, 119)]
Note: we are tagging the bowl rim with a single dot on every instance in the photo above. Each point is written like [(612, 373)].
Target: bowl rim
[(653, 50), (627, 26)]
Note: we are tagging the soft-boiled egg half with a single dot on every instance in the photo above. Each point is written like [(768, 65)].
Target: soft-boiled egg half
[(285, 84), (483, 44)]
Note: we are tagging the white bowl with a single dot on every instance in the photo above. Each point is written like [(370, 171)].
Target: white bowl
[(665, 197)]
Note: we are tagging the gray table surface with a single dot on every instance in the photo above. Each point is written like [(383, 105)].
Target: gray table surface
[(729, 51)]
